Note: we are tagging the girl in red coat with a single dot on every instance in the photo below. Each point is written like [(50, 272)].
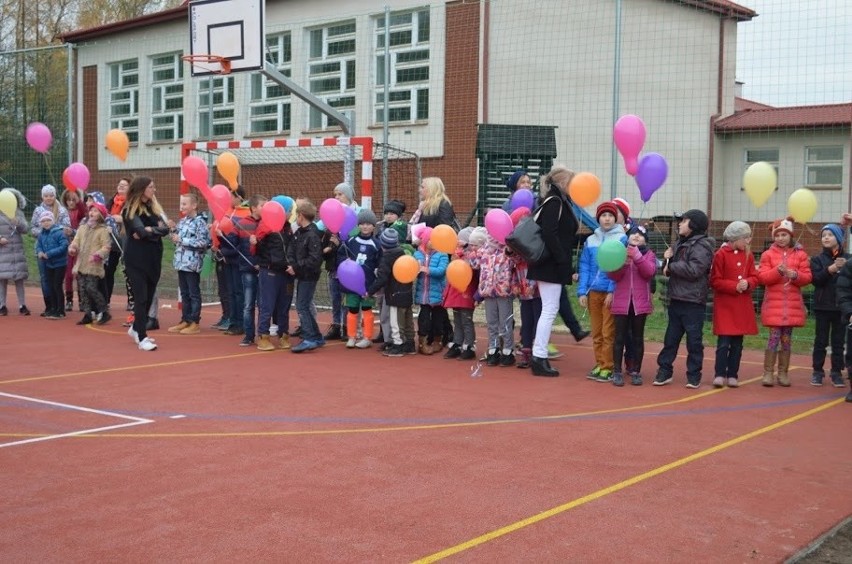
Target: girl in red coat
[(733, 279), (784, 269)]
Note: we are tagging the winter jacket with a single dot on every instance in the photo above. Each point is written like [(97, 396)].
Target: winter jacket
[(193, 242), (397, 294), (844, 291), (93, 247), (689, 269), (364, 251), (62, 221), (444, 215), (782, 303), (54, 244), (271, 251), (456, 299), (143, 249), (304, 253), (330, 258), (496, 270), (229, 244), (13, 259), (246, 227), (733, 312), (633, 284), (429, 289), (825, 283), (592, 278), (559, 231)]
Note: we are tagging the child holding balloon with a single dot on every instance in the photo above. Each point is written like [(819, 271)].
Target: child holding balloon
[(458, 296), (77, 212), (363, 249), (429, 292), (398, 294)]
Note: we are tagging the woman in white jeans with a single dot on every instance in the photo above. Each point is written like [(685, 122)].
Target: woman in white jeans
[(559, 231)]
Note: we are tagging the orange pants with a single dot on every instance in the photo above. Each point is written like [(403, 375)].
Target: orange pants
[(603, 329)]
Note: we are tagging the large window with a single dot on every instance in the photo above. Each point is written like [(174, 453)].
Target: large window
[(269, 108), (124, 98), (331, 69), (216, 113), (771, 156), (167, 97), (408, 86), (824, 167)]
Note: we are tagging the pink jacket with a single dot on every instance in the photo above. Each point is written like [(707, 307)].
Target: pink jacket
[(633, 284), (783, 305)]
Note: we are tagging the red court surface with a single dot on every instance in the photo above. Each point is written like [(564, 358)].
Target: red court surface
[(206, 451)]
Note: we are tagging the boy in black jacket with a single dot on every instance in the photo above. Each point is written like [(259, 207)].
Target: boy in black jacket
[(304, 259), (826, 268), (275, 286), (398, 297)]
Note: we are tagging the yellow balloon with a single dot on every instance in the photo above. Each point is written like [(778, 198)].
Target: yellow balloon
[(802, 205), (759, 182), (229, 167), (8, 203), (118, 143)]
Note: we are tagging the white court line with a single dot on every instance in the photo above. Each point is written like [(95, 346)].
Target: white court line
[(133, 421)]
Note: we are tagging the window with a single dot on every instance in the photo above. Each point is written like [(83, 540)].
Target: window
[(824, 166), (124, 98), (331, 70), (269, 107), (166, 97), (771, 156), (216, 114), (408, 87)]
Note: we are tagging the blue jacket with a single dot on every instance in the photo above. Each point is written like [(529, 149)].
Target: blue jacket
[(193, 242), (592, 278), (430, 285), (54, 244)]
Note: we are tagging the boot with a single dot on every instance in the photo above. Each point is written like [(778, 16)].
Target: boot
[(333, 332), (525, 357), (179, 327), (264, 344), (768, 379), (783, 366), (191, 329), (425, 348), (284, 342), (541, 367)]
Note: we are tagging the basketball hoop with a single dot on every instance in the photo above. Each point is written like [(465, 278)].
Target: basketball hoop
[(205, 59)]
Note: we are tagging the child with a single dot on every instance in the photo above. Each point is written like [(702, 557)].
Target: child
[(784, 270), (733, 278), (52, 252), (398, 297), (393, 211), (304, 259), (60, 217), (274, 285), (844, 302), (631, 304), (91, 246), (192, 239), (688, 267), (77, 214), (595, 290), (464, 332), (527, 292), (331, 242), (429, 293), (13, 260), (825, 268), (519, 180), (247, 227), (229, 245), (361, 248)]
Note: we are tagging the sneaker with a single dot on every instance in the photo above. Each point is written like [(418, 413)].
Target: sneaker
[(69, 306), (453, 352), (837, 380), (581, 335), (393, 351), (191, 329), (221, 325), (363, 344), (409, 347), (552, 351), (52, 316), (234, 331), (719, 382), (603, 376), (733, 383), (133, 335), (147, 344), (87, 319), (593, 373), (662, 379), (507, 360), (264, 344), (304, 346), (384, 346), (153, 324), (178, 328), (350, 344), (104, 318), (284, 342), (816, 378), (617, 379), (467, 354), (246, 342), (24, 311), (693, 385), (4, 311), (492, 359), (635, 379)]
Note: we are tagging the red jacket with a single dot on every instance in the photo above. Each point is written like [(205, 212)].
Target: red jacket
[(733, 312), (782, 304)]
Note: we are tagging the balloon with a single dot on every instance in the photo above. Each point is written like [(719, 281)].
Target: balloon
[(285, 201), (118, 143), (629, 137), (195, 171), (9, 204), (802, 205), (499, 224), (518, 215), (652, 174), (229, 167), (78, 175), (444, 239), (273, 216), (351, 277), (584, 189), (611, 255), (405, 269), (459, 274), (759, 182), (39, 137), (219, 200), (331, 213), (522, 198), (66, 181), (226, 226), (350, 221)]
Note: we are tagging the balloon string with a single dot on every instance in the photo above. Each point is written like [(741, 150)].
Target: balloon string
[(49, 169), (236, 226)]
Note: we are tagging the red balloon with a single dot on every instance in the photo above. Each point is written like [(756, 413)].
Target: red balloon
[(519, 214), (226, 226), (195, 171), (66, 181), (219, 200), (273, 216)]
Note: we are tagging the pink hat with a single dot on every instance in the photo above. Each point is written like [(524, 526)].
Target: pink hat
[(101, 208)]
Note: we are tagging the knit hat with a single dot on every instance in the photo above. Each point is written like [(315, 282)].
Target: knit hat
[(478, 237), (736, 230), (98, 197), (640, 229), (783, 224), (366, 216), (698, 221), (606, 207), (464, 235), (46, 214), (48, 190), (345, 189), (395, 207), (389, 238), (623, 207), (836, 230), (512, 183), (101, 208)]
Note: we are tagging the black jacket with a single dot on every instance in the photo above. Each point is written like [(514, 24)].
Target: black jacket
[(397, 294), (689, 268), (144, 249), (444, 215), (271, 251), (825, 283), (304, 253), (559, 231), (330, 259)]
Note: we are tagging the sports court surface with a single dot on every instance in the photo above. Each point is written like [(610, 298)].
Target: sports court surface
[(206, 451)]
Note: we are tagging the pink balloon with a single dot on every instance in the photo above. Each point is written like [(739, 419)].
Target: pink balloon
[(39, 137), (351, 277), (499, 224), (219, 200), (332, 214), (629, 137), (79, 176), (195, 171), (273, 216)]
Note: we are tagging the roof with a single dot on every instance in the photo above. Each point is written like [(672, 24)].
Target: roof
[(722, 7), (741, 104), (758, 119)]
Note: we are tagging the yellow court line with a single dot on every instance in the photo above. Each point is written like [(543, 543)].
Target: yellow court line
[(482, 539)]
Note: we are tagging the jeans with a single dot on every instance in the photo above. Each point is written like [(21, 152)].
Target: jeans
[(530, 312), (222, 288), (45, 285), (190, 295), (250, 300), (336, 295), (235, 289), (275, 293), (829, 327), (684, 318), (53, 299), (304, 304), (729, 351)]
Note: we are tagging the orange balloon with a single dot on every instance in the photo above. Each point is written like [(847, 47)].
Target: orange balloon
[(405, 269), (229, 167), (118, 143), (459, 274), (585, 189), (444, 239)]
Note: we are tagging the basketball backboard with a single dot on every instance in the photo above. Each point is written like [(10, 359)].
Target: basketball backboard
[(233, 29)]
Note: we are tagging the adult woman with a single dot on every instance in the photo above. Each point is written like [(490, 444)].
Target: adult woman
[(145, 226), (13, 260), (558, 230), (435, 207)]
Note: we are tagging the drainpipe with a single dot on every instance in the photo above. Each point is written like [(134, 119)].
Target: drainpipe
[(486, 40), (616, 95), (720, 77)]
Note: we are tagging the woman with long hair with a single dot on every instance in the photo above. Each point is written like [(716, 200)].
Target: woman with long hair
[(145, 224), (435, 207)]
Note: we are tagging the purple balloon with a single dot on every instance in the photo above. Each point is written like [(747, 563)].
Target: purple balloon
[(651, 175), (522, 198), (350, 221), (351, 276)]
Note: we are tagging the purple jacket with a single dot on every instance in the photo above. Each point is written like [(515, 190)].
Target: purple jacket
[(633, 283)]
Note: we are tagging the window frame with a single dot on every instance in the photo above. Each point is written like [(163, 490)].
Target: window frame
[(225, 107), (813, 164), (265, 106), (165, 119), (774, 162), (124, 81), (339, 84)]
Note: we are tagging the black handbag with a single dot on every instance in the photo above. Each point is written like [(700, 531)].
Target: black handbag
[(526, 240)]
